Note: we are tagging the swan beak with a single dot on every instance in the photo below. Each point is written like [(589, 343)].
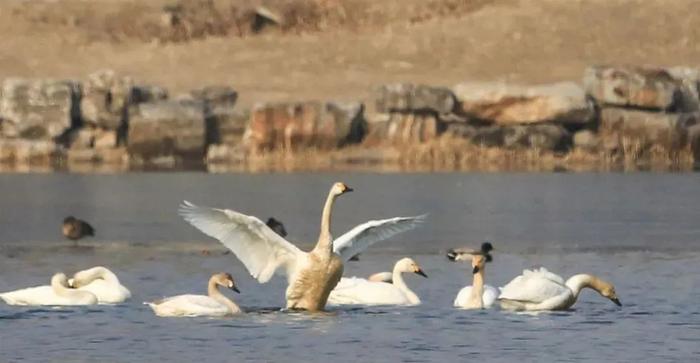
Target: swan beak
[(420, 272), (234, 288), (348, 189), (452, 255), (616, 301), (475, 269)]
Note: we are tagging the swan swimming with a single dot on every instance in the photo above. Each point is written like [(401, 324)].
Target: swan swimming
[(103, 283), (58, 293), (310, 275), (213, 304), (539, 289), (478, 295), (359, 291)]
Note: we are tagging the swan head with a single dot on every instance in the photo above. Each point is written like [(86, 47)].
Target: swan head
[(608, 290), (478, 262), (276, 226), (59, 279), (69, 220), (340, 188), (226, 280), (409, 265)]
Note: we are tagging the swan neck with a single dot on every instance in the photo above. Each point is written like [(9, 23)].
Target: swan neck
[(325, 240), (214, 293), (398, 281), (60, 287), (95, 273), (477, 293), (577, 283)]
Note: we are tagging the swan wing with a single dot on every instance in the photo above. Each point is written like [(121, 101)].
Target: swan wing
[(261, 250), (188, 305), (366, 234), (534, 286), (490, 295), (386, 276), (39, 295)]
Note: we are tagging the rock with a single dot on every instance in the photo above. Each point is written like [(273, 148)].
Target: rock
[(28, 151), (226, 125), (694, 141), (91, 137), (690, 88), (148, 94), (405, 128), (167, 129), (506, 104), (216, 96), (105, 101), (647, 88), (38, 109), (406, 97), (98, 156), (586, 140), (226, 154), (486, 136), (307, 124), (543, 137), (646, 129)]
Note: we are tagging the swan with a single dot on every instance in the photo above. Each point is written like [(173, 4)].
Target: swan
[(58, 293), (539, 289), (75, 229), (477, 296), (215, 304), (103, 283), (310, 275), (276, 226), (366, 292)]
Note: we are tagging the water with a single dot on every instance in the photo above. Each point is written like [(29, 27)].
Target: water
[(639, 231)]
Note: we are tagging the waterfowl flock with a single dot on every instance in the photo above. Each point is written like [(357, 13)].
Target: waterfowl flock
[(314, 278)]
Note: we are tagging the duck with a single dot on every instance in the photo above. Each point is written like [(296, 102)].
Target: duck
[(214, 304), (310, 275), (540, 289), (103, 283), (478, 295), (58, 293), (75, 229), (359, 291)]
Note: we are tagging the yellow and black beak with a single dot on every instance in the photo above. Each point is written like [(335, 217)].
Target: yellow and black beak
[(420, 272), (475, 269), (616, 301)]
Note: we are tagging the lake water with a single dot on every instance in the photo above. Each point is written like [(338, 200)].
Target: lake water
[(640, 231)]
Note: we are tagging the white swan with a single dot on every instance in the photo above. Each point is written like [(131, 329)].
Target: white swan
[(103, 283), (540, 289), (58, 293), (478, 295), (215, 304), (359, 291), (311, 275)]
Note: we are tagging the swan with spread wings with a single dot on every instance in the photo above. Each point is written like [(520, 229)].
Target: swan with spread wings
[(311, 275)]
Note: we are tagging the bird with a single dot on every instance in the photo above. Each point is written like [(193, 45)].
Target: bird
[(58, 293), (276, 226), (310, 275), (212, 304), (359, 291), (102, 282), (478, 295), (539, 289), (75, 229)]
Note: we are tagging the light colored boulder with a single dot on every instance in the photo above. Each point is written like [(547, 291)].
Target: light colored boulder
[(404, 128), (106, 98), (304, 124), (38, 109), (647, 88), (28, 151), (167, 129), (586, 140), (509, 104), (542, 137), (690, 88), (407, 97)]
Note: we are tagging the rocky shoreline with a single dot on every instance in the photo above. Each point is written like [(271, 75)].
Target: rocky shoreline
[(618, 118)]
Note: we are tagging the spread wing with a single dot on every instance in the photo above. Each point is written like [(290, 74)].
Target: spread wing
[(534, 286), (366, 234), (261, 250)]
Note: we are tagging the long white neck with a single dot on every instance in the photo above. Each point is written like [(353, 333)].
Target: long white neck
[(577, 282), (59, 285), (214, 293), (325, 239), (397, 278), (85, 277), (476, 298)]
